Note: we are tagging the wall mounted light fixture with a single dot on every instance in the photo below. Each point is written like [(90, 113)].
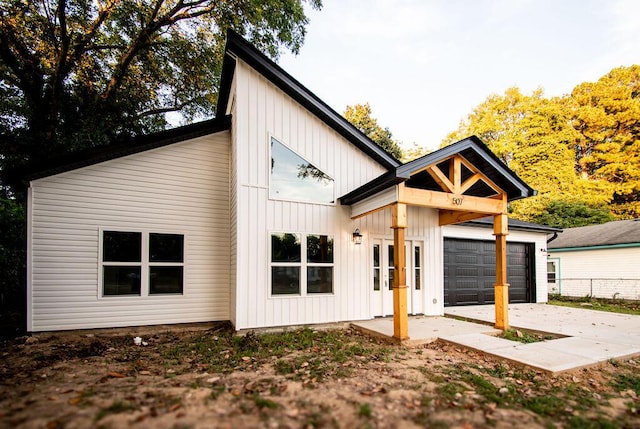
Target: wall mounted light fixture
[(357, 237)]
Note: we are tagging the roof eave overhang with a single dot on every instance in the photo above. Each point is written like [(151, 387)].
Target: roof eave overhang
[(371, 188)]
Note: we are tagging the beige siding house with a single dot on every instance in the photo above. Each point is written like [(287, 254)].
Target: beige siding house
[(278, 212), (178, 189), (602, 261)]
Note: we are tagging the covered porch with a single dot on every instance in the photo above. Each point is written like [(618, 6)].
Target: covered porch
[(463, 181)]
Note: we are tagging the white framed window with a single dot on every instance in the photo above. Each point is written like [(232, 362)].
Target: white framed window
[(166, 263), (293, 178), (137, 263), (301, 264), (552, 271), (286, 264), (417, 267), (121, 269)]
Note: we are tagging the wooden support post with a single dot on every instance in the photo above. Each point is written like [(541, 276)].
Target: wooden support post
[(501, 287), (400, 317)]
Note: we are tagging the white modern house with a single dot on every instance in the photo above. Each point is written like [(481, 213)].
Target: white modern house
[(601, 261), (278, 212)]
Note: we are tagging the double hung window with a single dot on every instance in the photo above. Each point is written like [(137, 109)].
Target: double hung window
[(121, 263), (301, 264), (552, 271), (137, 263)]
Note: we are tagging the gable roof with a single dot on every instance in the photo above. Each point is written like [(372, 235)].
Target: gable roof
[(472, 149), (616, 233), (124, 147), (238, 47)]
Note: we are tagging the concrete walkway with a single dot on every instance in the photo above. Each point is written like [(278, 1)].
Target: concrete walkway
[(591, 337)]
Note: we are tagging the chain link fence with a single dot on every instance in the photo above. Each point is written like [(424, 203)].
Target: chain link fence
[(597, 288)]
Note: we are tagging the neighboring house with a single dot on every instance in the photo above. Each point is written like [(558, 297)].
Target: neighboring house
[(278, 212), (600, 261)]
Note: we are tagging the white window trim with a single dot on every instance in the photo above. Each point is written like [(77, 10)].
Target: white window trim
[(420, 245), (144, 265), (558, 279), (273, 198), (303, 264)]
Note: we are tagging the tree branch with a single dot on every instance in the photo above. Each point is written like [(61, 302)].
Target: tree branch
[(51, 26), (163, 110), (146, 34), (21, 62), (61, 61), (82, 44)]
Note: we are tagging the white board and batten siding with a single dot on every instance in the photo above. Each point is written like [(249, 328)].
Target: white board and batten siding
[(422, 228), (181, 188), (538, 239), (265, 112)]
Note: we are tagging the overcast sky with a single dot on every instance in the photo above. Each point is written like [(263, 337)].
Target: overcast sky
[(423, 65)]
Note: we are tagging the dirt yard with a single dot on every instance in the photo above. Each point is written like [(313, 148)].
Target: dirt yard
[(296, 379)]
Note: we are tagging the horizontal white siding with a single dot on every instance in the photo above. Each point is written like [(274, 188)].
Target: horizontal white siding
[(599, 272), (264, 111), (181, 188), (540, 244)]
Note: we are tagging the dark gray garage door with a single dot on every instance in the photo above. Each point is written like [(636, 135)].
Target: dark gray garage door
[(470, 272)]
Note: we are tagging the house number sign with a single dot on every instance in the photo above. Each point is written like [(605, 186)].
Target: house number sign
[(457, 200)]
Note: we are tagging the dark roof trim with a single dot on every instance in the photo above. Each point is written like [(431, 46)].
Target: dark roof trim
[(514, 224), (240, 48), (518, 188), (125, 147), (370, 188), (474, 143)]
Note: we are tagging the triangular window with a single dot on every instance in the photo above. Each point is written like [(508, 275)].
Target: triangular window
[(295, 178)]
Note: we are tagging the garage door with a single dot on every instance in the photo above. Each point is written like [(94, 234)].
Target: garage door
[(470, 272)]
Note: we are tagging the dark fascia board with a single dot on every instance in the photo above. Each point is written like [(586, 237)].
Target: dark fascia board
[(238, 47), (514, 224), (372, 187), (124, 147), (519, 189)]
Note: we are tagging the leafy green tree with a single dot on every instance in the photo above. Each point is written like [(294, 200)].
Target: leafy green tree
[(606, 114), (414, 152), (360, 116), (76, 73), (565, 214), (532, 135)]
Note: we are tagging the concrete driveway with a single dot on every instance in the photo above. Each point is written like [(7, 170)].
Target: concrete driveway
[(589, 337), (592, 336)]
